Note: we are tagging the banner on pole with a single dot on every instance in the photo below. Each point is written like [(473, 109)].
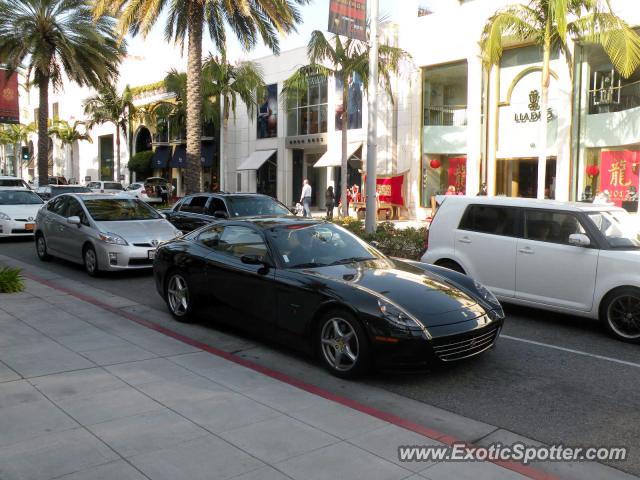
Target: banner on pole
[(9, 108), (348, 18)]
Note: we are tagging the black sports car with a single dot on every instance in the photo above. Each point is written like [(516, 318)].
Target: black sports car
[(336, 294)]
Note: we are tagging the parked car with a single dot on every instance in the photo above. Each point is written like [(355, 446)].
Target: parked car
[(158, 189), (315, 282), (575, 258), (58, 181), (103, 232), (138, 190), (48, 192), (18, 210), (199, 209), (105, 187), (13, 182)]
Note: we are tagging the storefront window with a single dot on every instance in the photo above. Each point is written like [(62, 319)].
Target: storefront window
[(445, 95), (308, 114), (268, 112), (443, 175), (354, 102), (612, 176)]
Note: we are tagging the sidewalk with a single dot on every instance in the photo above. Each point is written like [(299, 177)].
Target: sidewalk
[(89, 393)]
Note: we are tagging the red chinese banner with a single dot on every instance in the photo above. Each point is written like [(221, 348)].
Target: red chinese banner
[(618, 172), (9, 108), (390, 190), (457, 173), (348, 18)]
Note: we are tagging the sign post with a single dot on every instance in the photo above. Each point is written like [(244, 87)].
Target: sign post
[(372, 124)]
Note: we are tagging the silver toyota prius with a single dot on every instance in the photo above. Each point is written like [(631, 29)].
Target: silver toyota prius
[(102, 232)]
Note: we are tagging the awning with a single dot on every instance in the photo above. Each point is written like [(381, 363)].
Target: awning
[(208, 153), (333, 158), (161, 157), (179, 159), (256, 159)]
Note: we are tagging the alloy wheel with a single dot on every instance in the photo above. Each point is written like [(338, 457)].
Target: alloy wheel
[(41, 247), (340, 345), (90, 261), (623, 316), (178, 295)]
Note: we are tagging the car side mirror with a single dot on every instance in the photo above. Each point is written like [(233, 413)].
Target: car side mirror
[(74, 221), (579, 240), (220, 214), (252, 260)]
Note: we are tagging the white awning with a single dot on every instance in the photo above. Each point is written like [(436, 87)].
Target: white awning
[(333, 158), (256, 159)]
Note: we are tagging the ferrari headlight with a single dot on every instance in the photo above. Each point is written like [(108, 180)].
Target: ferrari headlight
[(112, 238), (397, 316), (485, 294), (4, 216)]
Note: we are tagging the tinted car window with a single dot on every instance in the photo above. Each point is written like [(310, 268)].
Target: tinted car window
[(13, 182), (490, 219), (210, 237), (194, 204), (550, 226), (238, 241), (246, 206), (60, 190), (216, 205), (119, 209), (59, 206), (113, 186), (12, 197)]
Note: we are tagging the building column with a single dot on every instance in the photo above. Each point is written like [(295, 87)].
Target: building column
[(474, 124), (492, 131)]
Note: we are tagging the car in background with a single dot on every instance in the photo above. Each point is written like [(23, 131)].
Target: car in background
[(138, 190), (158, 189), (105, 187), (58, 180), (199, 209), (577, 258), (47, 192), (18, 210), (102, 232), (13, 182), (326, 290)]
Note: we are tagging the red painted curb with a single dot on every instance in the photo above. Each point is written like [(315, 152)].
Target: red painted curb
[(347, 402)]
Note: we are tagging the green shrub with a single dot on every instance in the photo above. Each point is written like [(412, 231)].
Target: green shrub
[(11, 280), (141, 163), (392, 241)]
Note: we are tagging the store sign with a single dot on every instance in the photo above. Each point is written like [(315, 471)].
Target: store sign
[(534, 114), (389, 190), (348, 18), (618, 173), (9, 108), (457, 173)]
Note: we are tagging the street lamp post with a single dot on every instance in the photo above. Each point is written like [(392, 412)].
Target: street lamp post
[(372, 124)]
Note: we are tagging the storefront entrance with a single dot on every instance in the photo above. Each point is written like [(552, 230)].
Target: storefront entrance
[(518, 177)]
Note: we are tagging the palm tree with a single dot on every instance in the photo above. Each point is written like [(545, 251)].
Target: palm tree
[(550, 24), (69, 134), (109, 106), (249, 20), (54, 39), (17, 135), (343, 59)]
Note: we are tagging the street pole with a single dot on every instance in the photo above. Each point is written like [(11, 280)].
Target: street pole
[(372, 124)]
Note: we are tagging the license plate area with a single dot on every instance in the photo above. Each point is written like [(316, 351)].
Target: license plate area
[(151, 254)]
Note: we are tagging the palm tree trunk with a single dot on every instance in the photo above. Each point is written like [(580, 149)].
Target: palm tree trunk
[(544, 106), (345, 131), (193, 170), (117, 172), (43, 131)]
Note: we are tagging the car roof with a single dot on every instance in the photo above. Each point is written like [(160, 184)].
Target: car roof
[(227, 194), (16, 189), (529, 203), (275, 221)]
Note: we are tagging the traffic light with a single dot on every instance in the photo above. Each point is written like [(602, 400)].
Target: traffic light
[(25, 154)]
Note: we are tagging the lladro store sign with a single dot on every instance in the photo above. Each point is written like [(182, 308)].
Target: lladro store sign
[(534, 114)]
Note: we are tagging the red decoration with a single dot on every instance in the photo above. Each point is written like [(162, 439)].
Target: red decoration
[(593, 170), (435, 163)]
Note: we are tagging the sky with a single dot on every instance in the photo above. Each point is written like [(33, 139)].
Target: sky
[(150, 58)]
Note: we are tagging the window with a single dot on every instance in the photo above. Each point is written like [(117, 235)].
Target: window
[(95, 185), (307, 114), (217, 205), (113, 186), (210, 237), (354, 102), (194, 204), (58, 206), (445, 96), (74, 209), (119, 210), (550, 226), (55, 110), (238, 241), (490, 219), (268, 112), (19, 197), (246, 205)]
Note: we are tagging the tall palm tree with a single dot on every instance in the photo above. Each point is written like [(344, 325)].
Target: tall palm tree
[(69, 134), (550, 24), (53, 39), (343, 59), (110, 106), (249, 20), (17, 135)]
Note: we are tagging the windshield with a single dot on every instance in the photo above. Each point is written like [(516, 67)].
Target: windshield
[(19, 198), (13, 182), (319, 245), (61, 190), (247, 206), (118, 210), (618, 227)]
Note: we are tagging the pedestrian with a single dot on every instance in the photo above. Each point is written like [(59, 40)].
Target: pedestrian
[(305, 198), (483, 190), (329, 202)]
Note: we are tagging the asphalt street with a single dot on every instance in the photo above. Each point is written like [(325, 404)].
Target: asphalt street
[(553, 378)]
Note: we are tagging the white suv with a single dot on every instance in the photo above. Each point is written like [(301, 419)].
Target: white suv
[(575, 258)]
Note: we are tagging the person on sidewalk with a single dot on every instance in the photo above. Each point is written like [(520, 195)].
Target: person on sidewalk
[(305, 198), (329, 202)]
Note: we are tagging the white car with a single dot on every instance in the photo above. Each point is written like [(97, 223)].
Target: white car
[(577, 258), (105, 187), (18, 210), (139, 191), (13, 182)]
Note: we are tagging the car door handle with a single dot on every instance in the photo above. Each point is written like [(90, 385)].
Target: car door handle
[(526, 251), (465, 240)]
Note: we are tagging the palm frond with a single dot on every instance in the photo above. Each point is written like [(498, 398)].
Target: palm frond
[(517, 22)]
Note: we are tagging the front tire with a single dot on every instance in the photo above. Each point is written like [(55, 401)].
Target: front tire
[(90, 259), (620, 314), (342, 345), (41, 248), (178, 297)]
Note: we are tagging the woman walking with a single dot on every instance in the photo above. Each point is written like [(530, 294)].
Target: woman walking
[(329, 202)]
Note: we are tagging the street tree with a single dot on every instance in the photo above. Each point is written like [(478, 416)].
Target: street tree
[(54, 39), (343, 59), (110, 106), (69, 134), (17, 135), (550, 24), (187, 20)]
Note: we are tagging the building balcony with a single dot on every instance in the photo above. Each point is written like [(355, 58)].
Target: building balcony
[(445, 116)]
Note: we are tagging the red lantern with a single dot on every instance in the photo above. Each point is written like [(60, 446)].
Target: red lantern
[(435, 163), (593, 170)]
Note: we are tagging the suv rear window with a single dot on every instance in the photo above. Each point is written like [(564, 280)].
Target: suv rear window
[(112, 186), (490, 219)]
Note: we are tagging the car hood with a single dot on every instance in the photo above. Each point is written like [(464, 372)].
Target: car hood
[(21, 211), (140, 231), (423, 295)]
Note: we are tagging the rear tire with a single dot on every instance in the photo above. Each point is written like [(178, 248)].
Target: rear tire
[(620, 314), (342, 345), (41, 248), (90, 259), (178, 296), (451, 265)]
